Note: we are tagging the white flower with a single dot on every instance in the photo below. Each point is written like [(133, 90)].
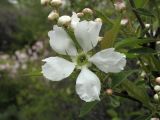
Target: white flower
[(87, 35)]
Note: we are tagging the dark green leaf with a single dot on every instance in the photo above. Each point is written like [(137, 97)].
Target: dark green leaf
[(120, 77), (143, 11), (137, 92), (142, 51), (130, 42), (87, 107)]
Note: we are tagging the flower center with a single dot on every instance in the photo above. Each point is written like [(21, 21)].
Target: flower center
[(82, 59)]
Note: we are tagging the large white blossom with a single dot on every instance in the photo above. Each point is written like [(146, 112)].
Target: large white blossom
[(87, 35)]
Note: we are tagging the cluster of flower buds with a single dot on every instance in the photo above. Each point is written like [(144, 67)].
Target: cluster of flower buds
[(66, 20), (157, 89), (55, 4)]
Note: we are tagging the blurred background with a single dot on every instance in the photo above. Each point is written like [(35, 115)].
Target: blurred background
[(25, 95)]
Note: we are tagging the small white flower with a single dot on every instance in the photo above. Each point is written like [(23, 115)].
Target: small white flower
[(87, 34), (120, 5), (64, 20), (124, 21)]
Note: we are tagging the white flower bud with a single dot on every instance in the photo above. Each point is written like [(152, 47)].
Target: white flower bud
[(87, 11), (45, 2), (56, 3), (158, 80), (53, 16), (156, 97), (124, 21), (98, 20), (120, 5), (80, 14), (64, 20), (157, 88)]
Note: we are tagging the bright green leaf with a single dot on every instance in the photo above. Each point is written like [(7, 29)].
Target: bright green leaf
[(140, 3)]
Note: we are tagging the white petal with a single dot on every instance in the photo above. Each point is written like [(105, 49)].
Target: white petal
[(61, 42), (88, 86), (87, 34), (109, 61), (74, 20), (57, 68)]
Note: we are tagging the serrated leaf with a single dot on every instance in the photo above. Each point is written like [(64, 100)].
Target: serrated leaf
[(111, 35), (120, 77), (87, 107)]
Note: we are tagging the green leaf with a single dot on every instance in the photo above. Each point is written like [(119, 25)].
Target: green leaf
[(146, 117), (34, 73), (140, 3), (120, 77), (87, 107), (143, 11), (142, 51), (139, 93), (131, 42), (111, 35)]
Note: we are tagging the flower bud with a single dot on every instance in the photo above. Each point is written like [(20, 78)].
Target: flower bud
[(156, 97), (157, 88), (64, 20), (53, 16), (87, 11), (45, 2), (158, 80), (120, 5), (124, 21), (80, 14), (56, 3), (98, 20), (109, 91)]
